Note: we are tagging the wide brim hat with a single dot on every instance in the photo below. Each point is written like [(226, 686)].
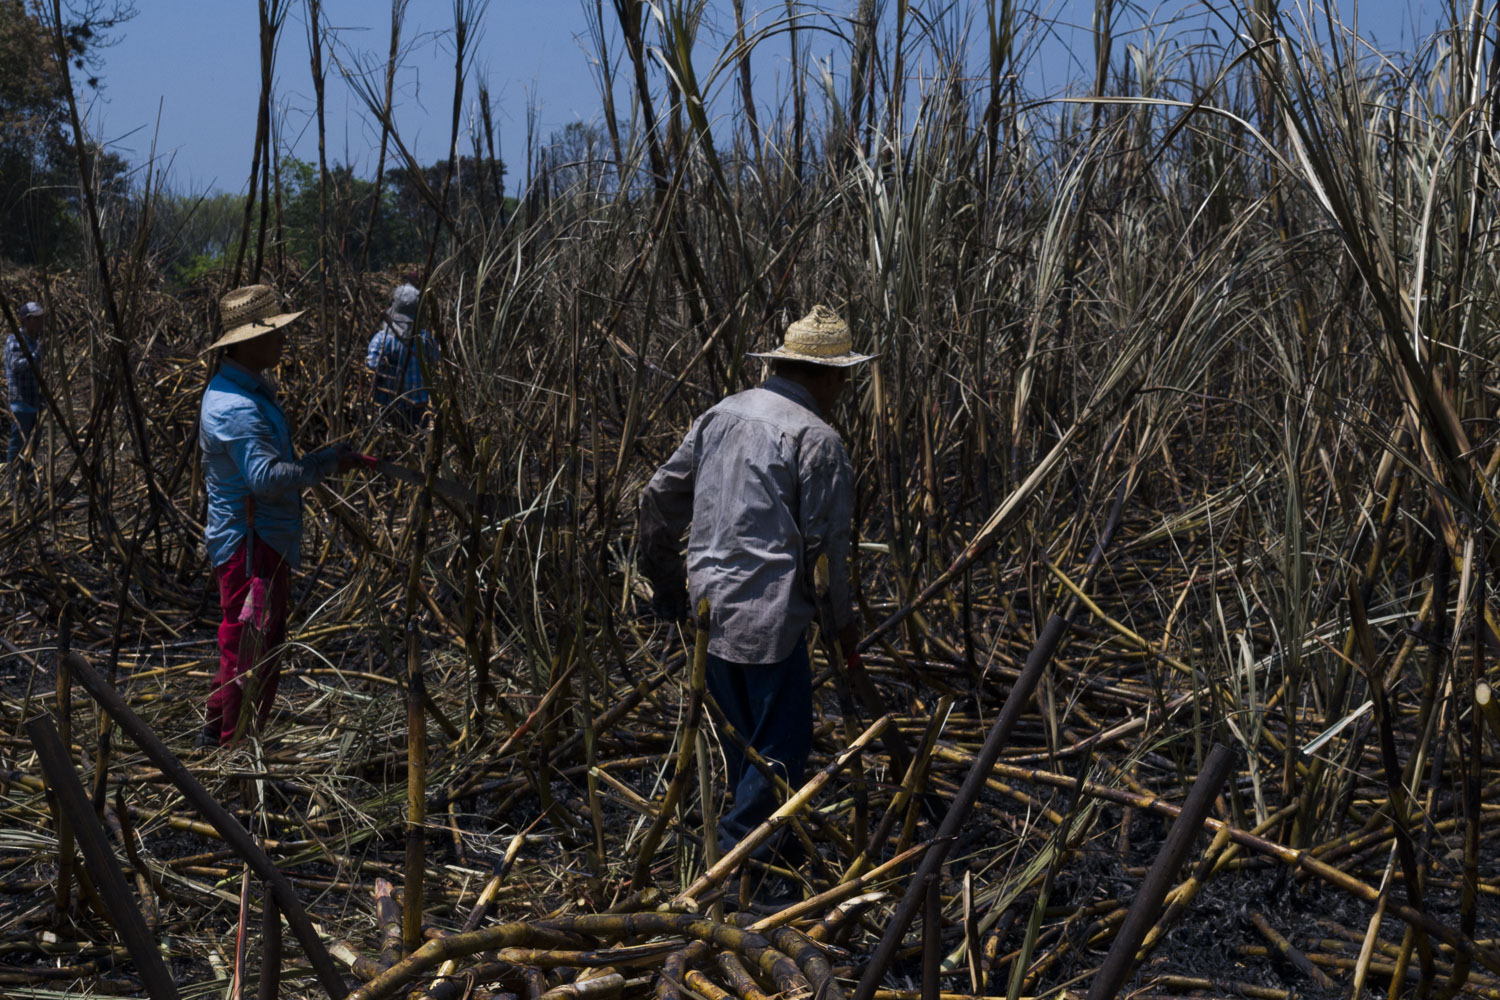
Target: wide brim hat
[(819, 338), (250, 312)]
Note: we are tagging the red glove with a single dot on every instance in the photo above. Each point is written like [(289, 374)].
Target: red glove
[(853, 660)]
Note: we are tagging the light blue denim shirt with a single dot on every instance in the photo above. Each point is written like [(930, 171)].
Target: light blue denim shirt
[(397, 363), (767, 487), (247, 450)]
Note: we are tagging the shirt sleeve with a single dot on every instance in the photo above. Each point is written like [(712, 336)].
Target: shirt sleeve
[(16, 365), (826, 503), (666, 511), (376, 349), (248, 440)]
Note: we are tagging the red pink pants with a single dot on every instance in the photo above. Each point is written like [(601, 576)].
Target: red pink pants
[(237, 657)]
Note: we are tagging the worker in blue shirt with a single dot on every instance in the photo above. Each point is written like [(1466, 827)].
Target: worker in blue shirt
[(22, 354), (399, 358), (254, 479)]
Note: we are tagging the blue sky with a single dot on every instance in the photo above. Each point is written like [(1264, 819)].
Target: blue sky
[(184, 74)]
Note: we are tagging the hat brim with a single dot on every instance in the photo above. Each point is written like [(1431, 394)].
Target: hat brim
[(259, 328), (836, 361)]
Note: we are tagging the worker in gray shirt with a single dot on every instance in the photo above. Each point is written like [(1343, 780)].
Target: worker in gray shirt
[(767, 487)]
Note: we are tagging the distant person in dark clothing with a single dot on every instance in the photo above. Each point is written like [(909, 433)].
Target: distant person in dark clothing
[(22, 355), (396, 358)]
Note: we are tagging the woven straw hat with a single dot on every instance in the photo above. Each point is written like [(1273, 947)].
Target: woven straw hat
[(251, 312), (820, 338)]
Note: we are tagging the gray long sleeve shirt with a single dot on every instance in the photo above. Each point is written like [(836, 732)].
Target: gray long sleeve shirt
[(767, 487)]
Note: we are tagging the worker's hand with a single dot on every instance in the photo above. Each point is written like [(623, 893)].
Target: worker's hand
[(852, 658), (669, 603), (347, 457), (849, 645)]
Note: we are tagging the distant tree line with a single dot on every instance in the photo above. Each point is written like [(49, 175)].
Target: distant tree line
[(190, 234), (195, 234)]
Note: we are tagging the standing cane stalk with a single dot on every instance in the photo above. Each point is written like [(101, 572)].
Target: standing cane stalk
[(686, 747)]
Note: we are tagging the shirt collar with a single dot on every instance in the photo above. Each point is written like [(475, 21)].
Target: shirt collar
[(245, 378), (795, 391)]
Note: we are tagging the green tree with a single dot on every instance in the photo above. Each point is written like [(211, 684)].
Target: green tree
[(476, 195), (194, 234), (38, 175), (32, 143), (392, 240)]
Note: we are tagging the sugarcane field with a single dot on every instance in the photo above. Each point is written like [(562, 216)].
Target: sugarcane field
[(882, 500)]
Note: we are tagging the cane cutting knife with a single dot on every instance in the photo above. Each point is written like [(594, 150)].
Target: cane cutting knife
[(454, 493)]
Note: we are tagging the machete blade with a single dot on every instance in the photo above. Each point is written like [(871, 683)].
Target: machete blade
[(456, 494)]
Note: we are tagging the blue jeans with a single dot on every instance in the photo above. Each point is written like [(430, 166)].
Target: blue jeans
[(22, 430), (770, 707)]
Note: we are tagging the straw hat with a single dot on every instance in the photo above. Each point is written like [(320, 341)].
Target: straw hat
[(820, 338), (251, 312)]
